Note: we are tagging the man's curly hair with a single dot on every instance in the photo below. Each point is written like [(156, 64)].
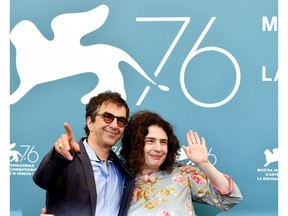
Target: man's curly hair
[(133, 141)]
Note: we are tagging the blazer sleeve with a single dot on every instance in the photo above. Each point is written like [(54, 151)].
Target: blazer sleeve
[(50, 168)]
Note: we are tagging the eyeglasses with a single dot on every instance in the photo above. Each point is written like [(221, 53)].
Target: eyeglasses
[(108, 118)]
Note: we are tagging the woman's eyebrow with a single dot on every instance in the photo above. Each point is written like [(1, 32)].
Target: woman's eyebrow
[(152, 138)]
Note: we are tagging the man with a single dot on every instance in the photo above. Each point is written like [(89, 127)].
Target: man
[(87, 178)]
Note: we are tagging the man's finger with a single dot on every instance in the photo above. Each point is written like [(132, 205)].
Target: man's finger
[(69, 132), (43, 211), (74, 147)]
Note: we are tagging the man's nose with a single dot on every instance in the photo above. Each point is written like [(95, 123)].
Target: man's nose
[(114, 123)]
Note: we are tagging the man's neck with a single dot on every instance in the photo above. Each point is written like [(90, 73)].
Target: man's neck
[(102, 152)]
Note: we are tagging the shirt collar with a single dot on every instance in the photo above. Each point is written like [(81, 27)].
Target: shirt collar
[(92, 155)]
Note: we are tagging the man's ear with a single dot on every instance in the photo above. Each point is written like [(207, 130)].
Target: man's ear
[(89, 122)]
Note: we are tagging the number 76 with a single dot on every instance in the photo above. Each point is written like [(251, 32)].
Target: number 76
[(193, 52)]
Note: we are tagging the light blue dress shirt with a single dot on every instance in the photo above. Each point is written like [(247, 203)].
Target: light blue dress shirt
[(109, 184)]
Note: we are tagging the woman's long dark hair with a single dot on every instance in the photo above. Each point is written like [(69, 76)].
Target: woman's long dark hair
[(133, 141)]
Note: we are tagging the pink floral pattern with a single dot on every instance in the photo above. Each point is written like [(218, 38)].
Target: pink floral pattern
[(166, 213), (173, 194)]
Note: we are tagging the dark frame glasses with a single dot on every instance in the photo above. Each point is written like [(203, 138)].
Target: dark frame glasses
[(108, 118)]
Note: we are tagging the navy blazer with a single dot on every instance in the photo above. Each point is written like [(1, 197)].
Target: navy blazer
[(70, 186)]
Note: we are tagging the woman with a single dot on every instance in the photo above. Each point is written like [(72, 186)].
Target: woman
[(150, 148)]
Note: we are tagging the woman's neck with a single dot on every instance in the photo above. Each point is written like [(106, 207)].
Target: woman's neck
[(147, 171)]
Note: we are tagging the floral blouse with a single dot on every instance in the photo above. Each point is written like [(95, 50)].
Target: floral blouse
[(173, 194)]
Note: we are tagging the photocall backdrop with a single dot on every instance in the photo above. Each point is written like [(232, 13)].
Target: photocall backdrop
[(210, 66)]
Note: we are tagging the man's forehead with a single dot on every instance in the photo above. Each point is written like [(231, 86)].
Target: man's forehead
[(113, 108)]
